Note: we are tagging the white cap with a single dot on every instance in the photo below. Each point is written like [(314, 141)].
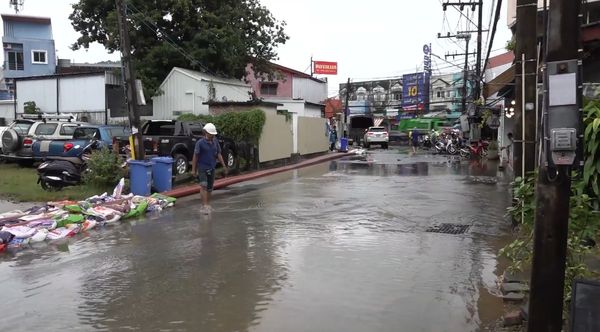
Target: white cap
[(210, 128)]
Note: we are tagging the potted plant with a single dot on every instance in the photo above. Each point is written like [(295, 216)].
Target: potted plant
[(493, 150)]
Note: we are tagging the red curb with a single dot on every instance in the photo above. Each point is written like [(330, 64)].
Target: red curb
[(222, 183)]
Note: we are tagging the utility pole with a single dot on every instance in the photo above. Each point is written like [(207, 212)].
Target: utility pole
[(478, 65), (347, 109), (525, 88), (467, 38), (129, 81), (554, 181)]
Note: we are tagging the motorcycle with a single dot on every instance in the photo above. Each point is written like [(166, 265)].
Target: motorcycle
[(478, 148), (59, 172)]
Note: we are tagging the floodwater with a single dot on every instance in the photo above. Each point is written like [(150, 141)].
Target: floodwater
[(341, 246)]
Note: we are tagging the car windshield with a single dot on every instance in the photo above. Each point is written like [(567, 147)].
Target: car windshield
[(160, 128), (377, 129), (118, 132)]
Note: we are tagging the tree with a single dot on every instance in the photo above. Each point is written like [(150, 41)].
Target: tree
[(215, 36), (30, 107)]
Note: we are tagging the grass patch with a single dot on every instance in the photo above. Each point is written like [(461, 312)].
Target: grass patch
[(20, 184)]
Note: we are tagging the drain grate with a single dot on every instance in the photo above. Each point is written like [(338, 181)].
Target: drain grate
[(449, 229)]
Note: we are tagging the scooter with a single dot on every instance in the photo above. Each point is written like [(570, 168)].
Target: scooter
[(475, 149), (60, 172)]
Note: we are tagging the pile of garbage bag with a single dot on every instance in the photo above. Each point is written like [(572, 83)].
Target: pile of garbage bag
[(60, 220)]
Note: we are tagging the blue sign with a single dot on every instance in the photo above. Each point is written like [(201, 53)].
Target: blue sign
[(415, 92)]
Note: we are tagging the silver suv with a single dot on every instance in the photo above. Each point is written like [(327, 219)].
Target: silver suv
[(18, 138), (376, 135)]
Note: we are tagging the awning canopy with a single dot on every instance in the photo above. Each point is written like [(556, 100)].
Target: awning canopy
[(501, 81)]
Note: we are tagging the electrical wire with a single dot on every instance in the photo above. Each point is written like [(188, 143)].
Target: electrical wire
[(496, 19)]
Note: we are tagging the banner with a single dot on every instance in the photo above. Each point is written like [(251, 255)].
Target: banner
[(415, 92), (325, 68)]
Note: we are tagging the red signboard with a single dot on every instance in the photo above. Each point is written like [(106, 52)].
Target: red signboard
[(325, 68)]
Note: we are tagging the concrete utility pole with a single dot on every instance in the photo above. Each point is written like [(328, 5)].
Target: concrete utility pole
[(467, 38), (347, 109), (554, 185), (479, 50), (129, 81), (526, 43)]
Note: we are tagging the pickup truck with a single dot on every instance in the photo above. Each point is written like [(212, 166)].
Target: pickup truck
[(177, 139), (83, 136)]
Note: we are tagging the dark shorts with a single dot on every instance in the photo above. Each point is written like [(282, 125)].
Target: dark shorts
[(206, 178), (415, 143)]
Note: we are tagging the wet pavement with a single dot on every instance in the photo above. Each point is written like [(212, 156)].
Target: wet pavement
[(341, 246)]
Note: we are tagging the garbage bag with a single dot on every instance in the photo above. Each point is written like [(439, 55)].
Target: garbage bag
[(59, 233), (70, 219), (119, 189), (138, 210), (39, 236)]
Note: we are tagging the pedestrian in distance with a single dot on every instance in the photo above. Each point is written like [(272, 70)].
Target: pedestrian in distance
[(332, 138), (206, 154), (414, 139)]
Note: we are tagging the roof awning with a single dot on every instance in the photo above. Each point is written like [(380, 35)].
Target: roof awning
[(502, 80)]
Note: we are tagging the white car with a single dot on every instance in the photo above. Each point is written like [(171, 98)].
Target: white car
[(376, 135), (17, 139)]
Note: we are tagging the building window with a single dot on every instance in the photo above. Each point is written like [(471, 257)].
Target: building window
[(439, 94), (39, 57), (15, 60), (268, 88)]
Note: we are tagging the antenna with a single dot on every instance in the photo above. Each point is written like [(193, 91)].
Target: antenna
[(17, 4)]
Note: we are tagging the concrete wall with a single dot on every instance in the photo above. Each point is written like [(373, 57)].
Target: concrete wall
[(276, 140), (283, 79), (312, 135)]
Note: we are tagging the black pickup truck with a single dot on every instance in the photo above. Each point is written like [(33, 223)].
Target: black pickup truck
[(178, 139)]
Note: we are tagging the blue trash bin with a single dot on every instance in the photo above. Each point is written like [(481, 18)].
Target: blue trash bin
[(344, 144), (162, 172), (140, 177)]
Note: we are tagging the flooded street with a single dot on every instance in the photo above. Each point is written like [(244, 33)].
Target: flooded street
[(356, 244)]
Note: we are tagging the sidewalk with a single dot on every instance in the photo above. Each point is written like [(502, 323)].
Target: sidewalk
[(222, 183)]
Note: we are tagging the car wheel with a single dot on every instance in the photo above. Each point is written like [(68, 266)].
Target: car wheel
[(180, 163), (384, 145), (10, 140), (230, 159), (366, 145)]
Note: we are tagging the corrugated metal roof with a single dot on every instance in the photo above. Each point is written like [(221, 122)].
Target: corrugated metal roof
[(207, 77)]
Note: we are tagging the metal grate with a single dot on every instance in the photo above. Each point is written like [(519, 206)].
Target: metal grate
[(449, 229)]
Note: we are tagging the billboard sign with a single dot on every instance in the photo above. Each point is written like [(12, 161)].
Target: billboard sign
[(325, 67), (415, 92)]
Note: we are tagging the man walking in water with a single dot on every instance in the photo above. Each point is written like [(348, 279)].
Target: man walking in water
[(204, 162)]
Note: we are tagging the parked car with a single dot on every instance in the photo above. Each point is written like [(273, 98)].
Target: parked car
[(376, 135), (20, 135), (2, 129), (83, 135), (177, 139)]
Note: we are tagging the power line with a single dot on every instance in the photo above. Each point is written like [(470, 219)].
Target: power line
[(496, 18)]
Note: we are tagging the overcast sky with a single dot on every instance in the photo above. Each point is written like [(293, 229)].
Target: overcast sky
[(369, 39)]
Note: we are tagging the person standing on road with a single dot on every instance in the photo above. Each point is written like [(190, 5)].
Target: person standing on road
[(332, 138), (204, 162), (414, 139)]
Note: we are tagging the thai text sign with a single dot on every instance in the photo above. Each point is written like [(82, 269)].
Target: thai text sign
[(415, 91), (325, 68)]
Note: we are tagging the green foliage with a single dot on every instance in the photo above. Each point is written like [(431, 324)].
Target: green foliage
[(104, 168), (584, 220), (222, 36), (31, 108), (239, 126), (511, 45), (591, 169)]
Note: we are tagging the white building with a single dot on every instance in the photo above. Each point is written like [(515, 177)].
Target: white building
[(186, 91), (88, 95)]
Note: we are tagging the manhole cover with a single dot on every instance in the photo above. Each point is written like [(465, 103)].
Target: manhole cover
[(448, 229)]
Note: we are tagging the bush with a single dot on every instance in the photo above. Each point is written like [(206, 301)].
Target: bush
[(239, 126), (104, 168)]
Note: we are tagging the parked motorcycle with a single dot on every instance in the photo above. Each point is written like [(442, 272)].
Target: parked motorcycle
[(478, 148), (59, 172)]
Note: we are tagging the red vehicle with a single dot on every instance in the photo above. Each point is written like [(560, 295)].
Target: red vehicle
[(478, 148)]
